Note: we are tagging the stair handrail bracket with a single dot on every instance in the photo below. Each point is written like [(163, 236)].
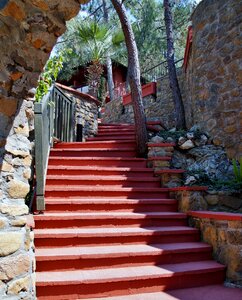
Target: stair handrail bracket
[(53, 118)]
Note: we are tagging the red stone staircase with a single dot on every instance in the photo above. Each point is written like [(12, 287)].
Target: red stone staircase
[(110, 229)]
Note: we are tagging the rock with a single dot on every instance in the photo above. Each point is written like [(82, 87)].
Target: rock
[(6, 167), (32, 92), (22, 129), (19, 222), (14, 210), (10, 242), (190, 135), (18, 189), (230, 201), (187, 145), (170, 139), (22, 284), (201, 141), (3, 222), (157, 139), (212, 199), (172, 129), (190, 180), (21, 265), (181, 140), (195, 128), (8, 106)]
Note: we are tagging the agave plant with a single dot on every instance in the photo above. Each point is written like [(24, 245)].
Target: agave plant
[(237, 167)]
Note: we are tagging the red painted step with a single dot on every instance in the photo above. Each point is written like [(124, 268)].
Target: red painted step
[(74, 258), (111, 205), (109, 229), (104, 171), (105, 191), (107, 219), (112, 138), (88, 180), (116, 235), (102, 282), (97, 161), (97, 144), (98, 152)]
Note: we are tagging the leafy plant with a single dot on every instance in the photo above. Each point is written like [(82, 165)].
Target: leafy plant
[(174, 135), (237, 167), (50, 74)]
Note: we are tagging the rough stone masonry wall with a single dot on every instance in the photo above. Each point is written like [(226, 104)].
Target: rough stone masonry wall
[(28, 31), (86, 112), (226, 240), (214, 74), (160, 107)]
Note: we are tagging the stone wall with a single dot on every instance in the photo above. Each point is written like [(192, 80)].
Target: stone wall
[(214, 73), (28, 31), (86, 110), (225, 236)]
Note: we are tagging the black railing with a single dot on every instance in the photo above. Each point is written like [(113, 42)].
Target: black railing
[(161, 70)]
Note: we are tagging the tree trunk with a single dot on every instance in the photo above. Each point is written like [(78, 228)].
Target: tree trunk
[(134, 79), (176, 93), (108, 59)]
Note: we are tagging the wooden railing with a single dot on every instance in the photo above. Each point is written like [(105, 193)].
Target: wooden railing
[(159, 71), (54, 118)]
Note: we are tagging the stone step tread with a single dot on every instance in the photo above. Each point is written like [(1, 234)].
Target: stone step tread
[(106, 188), (93, 149), (125, 274), (113, 231), (108, 215), (95, 200), (102, 178), (98, 158), (208, 292), (96, 168), (118, 250)]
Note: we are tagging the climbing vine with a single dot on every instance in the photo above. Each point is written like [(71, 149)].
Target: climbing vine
[(49, 75)]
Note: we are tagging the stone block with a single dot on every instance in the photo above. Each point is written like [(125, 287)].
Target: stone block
[(8, 107), (212, 199), (18, 189), (22, 284), (11, 267), (235, 236), (14, 210), (10, 242), (19, 222), (3, 222)]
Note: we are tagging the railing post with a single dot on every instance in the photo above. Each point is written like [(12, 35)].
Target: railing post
[(39, 157)]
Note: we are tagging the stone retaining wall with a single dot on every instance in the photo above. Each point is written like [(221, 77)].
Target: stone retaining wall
[(225, 236), (86, 110)]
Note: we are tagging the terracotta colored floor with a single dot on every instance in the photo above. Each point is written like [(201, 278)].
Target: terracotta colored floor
[(212, 292)]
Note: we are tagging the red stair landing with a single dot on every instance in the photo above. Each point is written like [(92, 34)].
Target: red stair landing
[(110, 229)]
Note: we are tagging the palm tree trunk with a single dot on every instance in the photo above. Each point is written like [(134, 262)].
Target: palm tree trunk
[(134, 79), (176, 93), (108, 59)]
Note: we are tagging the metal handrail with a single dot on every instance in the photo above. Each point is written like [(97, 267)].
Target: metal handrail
[(54, 118), (158, 71)]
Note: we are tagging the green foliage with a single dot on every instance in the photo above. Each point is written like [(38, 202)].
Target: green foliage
[(89, 41), (50, 74), (175, 135), (203, 179), (237, 167)]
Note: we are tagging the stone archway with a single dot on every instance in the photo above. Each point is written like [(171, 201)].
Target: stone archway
[(28, 32)]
